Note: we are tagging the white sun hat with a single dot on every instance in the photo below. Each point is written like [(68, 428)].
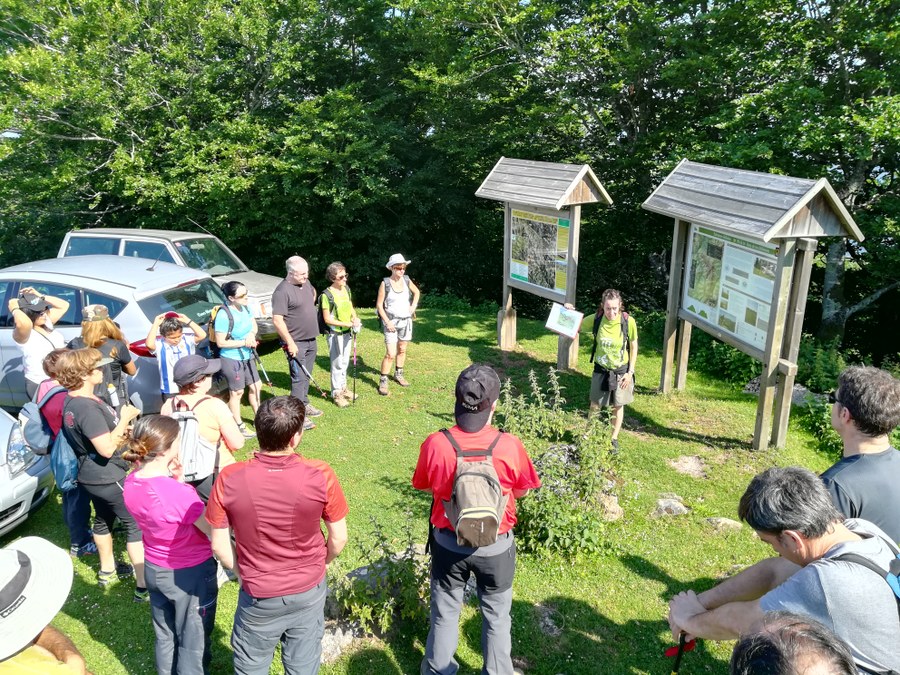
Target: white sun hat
[(397, 259)]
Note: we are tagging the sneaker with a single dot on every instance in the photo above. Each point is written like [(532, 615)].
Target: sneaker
[(107, 579), (349, 395), (141, 596), (312, 411), (245, 431), (399, 379), (383, 388), (124, 570), (308, 424), (340, 400), (77, 551)]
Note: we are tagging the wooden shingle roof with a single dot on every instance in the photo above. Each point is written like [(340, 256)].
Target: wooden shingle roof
[(762, 205), (546, 184)]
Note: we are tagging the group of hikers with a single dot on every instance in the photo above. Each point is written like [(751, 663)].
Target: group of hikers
[(194, 517)]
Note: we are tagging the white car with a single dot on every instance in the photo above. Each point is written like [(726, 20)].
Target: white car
[(202, 252), (25, 478), (134, 290)]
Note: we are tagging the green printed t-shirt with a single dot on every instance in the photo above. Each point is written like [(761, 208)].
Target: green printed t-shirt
[(610, 354), (342, 310)]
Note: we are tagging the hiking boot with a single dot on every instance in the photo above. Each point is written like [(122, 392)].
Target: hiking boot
[(383, 388), (77, 551), (349, 395), (141, 596), (340, 400), (312, 411), (399, 379), (614, 447), (245, 431), (308, 424)]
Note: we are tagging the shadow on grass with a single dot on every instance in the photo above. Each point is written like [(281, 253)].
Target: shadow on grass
[(371, 660), (645, 424)]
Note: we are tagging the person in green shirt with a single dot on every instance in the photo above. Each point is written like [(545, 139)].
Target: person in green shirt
[(612, 384), (340, 316)]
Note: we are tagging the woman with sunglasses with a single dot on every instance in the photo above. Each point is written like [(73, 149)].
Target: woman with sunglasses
[(336, 305), (235, 330), (33, 318), (396, 304)]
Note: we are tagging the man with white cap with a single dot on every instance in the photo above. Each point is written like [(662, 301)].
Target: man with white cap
[(396, 305), (35, 579), (441, 457)]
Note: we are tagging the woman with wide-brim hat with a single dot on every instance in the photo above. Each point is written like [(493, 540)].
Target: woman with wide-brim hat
[(396, 304)]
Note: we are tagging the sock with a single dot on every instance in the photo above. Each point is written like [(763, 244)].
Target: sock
[(140, 589), (398, 372), (384, 379)]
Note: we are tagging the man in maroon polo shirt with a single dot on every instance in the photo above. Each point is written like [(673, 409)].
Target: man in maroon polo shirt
[(275, 503)]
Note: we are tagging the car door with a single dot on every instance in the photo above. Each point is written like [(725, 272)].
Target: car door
[(151, 250), (8, 348)]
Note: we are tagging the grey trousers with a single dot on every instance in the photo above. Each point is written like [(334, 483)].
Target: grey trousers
[(306, 354), (183, 608), (297, 621), (340, 350), (493, 579)]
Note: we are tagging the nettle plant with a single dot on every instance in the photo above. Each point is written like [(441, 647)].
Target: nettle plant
[(572, 458)]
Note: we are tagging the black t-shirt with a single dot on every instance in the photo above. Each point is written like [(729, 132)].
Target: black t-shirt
[(84, 419), (297, 304), (112, 372)]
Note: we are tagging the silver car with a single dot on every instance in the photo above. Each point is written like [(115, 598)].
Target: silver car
[(134, 290), (202, 252), (25, 478)]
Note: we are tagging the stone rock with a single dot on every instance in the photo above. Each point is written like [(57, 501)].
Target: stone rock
[(724, 524), (669, 507), (609, 508), (335, 640), (549, 620)]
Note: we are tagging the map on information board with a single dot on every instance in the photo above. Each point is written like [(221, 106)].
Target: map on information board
[(540, 250), (729, 283)]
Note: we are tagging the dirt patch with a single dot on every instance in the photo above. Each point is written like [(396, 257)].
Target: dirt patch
[(689, 465)]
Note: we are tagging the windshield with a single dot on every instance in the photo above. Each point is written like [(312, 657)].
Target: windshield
[(208, 254), (193, 300)]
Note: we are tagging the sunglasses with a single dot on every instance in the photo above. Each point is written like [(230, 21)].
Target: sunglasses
[(399, 267), (341, 276), (240, 297), (832, 398)]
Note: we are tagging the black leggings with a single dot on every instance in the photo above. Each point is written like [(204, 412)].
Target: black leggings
[(109, 503)]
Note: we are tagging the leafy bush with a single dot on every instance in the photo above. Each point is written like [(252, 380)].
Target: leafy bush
[(722, 360), (816, 418), (455, 303), (563, 516), (818, 365), (394, 586)]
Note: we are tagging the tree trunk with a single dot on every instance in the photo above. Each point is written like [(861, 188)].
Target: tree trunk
[(834, 308)]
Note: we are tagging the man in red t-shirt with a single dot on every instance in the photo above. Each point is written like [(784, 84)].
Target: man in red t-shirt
[(477, 391), (275, 503)]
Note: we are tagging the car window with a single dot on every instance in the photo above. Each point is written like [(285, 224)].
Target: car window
[(114, 305), (72, 317), (92, 246), (194, 301), (5, 290), (208, 254), (147, 249)]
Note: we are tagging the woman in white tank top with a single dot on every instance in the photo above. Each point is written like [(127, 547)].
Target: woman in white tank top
[(34, 315), (397, 310)]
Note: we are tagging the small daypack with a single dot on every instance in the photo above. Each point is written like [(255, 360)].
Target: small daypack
[(199, 459), (64, 463), (212, 347), (324, 328), (477, 503), (626, 343), (891, 576), (37, 433)]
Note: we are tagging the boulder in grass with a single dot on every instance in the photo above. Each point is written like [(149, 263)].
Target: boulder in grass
[(669, 507), (724, 524)]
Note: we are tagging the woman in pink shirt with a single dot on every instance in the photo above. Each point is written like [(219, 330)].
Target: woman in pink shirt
[(179, 567)]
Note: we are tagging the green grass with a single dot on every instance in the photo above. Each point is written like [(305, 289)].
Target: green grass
[(611, 607)]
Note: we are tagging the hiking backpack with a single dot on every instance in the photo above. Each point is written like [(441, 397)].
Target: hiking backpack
[(199, 459), (626, 343), (477, 503), (212, 347), (64, 463), (324, 328), (891, 576), (37, 433)]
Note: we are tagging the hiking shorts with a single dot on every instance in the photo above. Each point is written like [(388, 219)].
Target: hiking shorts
[(615, 398), (402, 334), (239, 374)]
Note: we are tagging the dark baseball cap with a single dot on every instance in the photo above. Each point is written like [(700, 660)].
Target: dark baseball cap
[(477, 388), (32, 302), (193, 368)]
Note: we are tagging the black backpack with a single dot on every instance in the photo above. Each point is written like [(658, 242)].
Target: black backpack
[(626, 343), (324, 328)]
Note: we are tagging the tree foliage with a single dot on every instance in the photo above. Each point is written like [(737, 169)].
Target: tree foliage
[(350, 130)]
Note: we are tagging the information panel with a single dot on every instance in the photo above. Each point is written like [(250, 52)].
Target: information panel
[(540, 250), (729, 283)]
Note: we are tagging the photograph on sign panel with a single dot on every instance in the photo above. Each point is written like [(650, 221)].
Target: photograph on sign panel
[(534, 251), (705, 274)]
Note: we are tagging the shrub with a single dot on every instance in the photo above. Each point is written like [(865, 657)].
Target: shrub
[(818, 365), (816, 418), (724, 361)]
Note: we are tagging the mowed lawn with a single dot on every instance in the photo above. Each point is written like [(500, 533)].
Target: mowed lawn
[(608, 609)]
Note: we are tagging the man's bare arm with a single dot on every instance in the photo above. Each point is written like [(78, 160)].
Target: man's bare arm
[(62, 648), (750, 584), (337, 538)]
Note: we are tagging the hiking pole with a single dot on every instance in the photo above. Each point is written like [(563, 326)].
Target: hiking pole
[(355, 332), (309, 375), (262, 368), (684, 645)]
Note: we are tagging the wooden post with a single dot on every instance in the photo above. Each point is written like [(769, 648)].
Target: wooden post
[(676, 272), (682, 352), (806, 251), (566, 349), (768, 380), (506, 317)]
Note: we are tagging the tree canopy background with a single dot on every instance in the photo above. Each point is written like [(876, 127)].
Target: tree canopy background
[(353, 129)]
